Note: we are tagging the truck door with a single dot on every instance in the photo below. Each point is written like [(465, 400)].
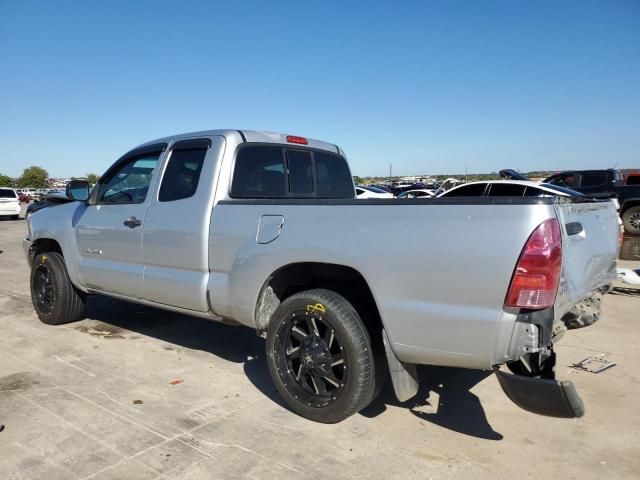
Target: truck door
[(176, 228), (109, 231)]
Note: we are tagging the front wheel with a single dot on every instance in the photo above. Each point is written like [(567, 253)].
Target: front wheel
[(320, 356), (54, 297), (631, 220)]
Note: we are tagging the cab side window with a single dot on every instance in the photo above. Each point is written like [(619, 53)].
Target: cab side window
[(259, 173), (182, 174), (129, 182)]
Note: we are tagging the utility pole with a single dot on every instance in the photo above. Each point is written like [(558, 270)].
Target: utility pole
[(390, 171)]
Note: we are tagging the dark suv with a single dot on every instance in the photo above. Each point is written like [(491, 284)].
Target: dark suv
[(599, 183)]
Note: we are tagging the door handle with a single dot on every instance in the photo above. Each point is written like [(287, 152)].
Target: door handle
[(574, 228), (132, 222)]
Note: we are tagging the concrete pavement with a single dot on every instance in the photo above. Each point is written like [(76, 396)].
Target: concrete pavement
[(137, 393)]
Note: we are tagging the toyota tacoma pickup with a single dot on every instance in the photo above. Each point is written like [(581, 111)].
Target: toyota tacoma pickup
[(264, 229)]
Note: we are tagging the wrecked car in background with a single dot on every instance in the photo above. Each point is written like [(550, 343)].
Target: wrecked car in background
[(607, 183)]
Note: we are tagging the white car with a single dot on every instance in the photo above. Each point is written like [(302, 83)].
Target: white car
[(9, 203), (509, 188), (417, 193), (371, 192)]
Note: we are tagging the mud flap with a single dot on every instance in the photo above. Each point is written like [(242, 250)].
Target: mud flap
[(543, 396), (404, 376)]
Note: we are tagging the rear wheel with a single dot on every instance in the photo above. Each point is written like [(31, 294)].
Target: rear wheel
[(631, 220), (55, 299), (320, 356)]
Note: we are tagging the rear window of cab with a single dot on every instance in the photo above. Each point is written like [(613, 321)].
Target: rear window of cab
[(274, 171)]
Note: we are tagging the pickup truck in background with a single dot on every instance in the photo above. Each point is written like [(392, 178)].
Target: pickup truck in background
[(631, 178), (265, 230), (608, 183)]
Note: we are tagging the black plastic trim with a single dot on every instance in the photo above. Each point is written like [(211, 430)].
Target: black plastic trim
[(244, 139), (543, 319), (543, 396), (156, 147), (192, 144), (393, 201), (573, 228)]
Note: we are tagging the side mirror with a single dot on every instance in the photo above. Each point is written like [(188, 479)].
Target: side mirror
[(78, 190)]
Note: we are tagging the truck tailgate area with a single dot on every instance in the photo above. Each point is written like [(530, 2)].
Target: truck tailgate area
[(590, 248)]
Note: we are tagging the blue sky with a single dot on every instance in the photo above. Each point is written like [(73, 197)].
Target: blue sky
[(432, 87)]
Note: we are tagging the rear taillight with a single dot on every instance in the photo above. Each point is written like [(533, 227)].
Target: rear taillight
[(535, 281), (620, 236)]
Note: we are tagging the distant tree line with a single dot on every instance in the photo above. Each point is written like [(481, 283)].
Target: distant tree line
[(36, 177)]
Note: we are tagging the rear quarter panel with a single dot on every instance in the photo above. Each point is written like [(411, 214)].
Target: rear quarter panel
[(438, 272)]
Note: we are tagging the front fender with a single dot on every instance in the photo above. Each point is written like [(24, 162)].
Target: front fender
[(56, 223)]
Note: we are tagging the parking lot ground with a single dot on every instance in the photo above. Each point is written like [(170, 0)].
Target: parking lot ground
[(137, 393)]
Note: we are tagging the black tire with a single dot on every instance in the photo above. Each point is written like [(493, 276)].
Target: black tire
[(55, 299), (320, 356), (631, 220)]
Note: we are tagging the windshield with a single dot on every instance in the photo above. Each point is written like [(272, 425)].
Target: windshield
[(7, 193), (566, 191)]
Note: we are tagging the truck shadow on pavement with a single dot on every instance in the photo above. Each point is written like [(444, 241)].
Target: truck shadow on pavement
[(444, 392), (444, 398), (234, 344)]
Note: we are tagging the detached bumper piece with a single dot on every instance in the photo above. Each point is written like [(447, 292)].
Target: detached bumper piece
[(543, 396)]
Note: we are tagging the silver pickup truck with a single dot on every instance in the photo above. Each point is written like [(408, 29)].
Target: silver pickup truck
[(263, 229)]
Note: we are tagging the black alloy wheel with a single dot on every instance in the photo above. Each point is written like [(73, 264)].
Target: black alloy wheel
[(43, 290), (310, 359), (320, 356)]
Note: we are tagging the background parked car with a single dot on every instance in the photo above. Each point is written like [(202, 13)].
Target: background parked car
[(509, 188), (56, 198), (9, 203), (607, 183), (371, 192), (24, 197), (384, 188), (632, 178), (423, 192)]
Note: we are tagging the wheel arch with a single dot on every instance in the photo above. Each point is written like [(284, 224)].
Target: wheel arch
[(629, 203), (296, 277), (43, 245), (47, 244)]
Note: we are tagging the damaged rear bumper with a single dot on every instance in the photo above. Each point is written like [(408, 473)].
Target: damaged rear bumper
[(543, 396)]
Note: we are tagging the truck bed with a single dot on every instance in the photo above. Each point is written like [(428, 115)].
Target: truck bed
[(438, 269)]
